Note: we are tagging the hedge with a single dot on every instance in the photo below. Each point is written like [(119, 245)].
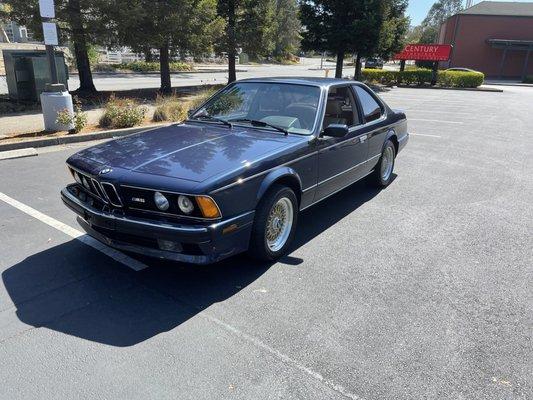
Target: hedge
[(422, 76), (143, 66)]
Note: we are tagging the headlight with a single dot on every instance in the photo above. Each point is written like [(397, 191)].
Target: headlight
[(161, 201), (185, 204)]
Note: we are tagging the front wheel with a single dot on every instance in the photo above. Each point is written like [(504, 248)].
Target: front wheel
[(382, 175), (275, 224)]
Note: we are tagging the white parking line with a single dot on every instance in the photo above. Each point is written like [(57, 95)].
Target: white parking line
[(282, 357), (424, 134), (436, 120), (74, 233)]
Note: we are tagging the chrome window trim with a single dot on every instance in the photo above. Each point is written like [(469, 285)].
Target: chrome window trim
[(178, 193)]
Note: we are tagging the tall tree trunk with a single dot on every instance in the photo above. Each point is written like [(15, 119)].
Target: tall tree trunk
[(164, 63), (340, 62), (148, 56), (232, 42), (357, 73), (80, 49)]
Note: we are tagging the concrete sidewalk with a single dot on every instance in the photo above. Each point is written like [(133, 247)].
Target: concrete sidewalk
[(14, 124)]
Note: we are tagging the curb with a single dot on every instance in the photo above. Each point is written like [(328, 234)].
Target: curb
[(77, 138), (478, 89), (205, 71), (26, 152)]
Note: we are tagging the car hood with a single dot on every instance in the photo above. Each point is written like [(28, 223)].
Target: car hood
[(190, 151)]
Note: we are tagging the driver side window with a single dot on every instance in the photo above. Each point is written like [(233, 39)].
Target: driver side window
[(340, 108)]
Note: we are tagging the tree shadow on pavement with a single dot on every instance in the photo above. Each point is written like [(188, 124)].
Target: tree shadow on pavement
[(73, 289)]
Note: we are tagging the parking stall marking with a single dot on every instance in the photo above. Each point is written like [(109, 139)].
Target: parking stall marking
[(436, 120), (137, 266), (282, 357), (425, 134), (74, 233)]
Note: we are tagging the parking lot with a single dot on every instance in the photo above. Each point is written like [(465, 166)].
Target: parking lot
[(420, 291)]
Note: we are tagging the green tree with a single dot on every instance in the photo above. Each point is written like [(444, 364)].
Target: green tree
[(287, 28), (340, 26), (227, 10), (5, 10), (440, 11), (255, 31), (171, 26)]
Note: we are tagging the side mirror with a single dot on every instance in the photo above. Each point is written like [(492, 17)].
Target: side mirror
[(336, 130)]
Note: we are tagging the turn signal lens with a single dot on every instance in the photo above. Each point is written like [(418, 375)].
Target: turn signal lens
[(208, 207)]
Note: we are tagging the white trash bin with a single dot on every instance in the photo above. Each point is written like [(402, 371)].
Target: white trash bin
[(54, 100)]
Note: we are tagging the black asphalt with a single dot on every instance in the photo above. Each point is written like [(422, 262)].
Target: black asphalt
[(420, 291)]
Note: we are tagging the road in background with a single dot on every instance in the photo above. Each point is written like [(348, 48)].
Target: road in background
[(307, 67), (421, 290)]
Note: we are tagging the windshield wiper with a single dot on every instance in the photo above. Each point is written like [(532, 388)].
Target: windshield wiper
[(211, 118), (256, 122)]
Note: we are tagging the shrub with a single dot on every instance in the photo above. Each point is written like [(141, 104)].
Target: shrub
[(528, 79), (380, 76), (423, 76), (78, 119), (104, 68), (122, 113), (460, 79), (152, 66), (170, 109)]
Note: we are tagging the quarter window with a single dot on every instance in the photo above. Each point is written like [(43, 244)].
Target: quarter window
[(340, 107), (371, 109)]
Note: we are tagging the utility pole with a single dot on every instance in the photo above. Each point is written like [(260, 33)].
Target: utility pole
[(55, 98)]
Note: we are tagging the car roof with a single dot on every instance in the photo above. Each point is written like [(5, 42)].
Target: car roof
[(300, 80)]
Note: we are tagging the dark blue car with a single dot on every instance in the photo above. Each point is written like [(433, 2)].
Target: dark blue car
[(235, 175)]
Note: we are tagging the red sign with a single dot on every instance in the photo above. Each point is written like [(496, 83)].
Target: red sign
[(431, 52)]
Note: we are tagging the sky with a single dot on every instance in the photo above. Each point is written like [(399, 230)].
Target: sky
[(418, 9)]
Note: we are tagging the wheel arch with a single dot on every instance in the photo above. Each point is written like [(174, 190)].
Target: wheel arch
[(284, 176), (391, 135)]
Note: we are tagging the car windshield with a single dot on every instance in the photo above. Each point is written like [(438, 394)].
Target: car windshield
[(284, 107)]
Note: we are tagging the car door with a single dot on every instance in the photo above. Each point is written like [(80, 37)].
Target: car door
[(340, 159)]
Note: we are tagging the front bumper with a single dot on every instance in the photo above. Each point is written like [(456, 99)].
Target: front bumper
[(201, 244)]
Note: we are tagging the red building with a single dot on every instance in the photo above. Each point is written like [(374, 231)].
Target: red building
[(493, 37)]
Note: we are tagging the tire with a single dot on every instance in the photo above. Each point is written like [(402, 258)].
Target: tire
[(263, 243), (383, 172)]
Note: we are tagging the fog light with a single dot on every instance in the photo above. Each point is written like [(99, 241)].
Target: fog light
[(169, 245), (185, 204), (161, 201)]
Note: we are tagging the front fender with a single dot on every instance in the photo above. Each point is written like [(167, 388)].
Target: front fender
[(287, 175)]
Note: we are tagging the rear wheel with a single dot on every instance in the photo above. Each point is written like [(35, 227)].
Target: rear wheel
[(382, 175), (275, 224)]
